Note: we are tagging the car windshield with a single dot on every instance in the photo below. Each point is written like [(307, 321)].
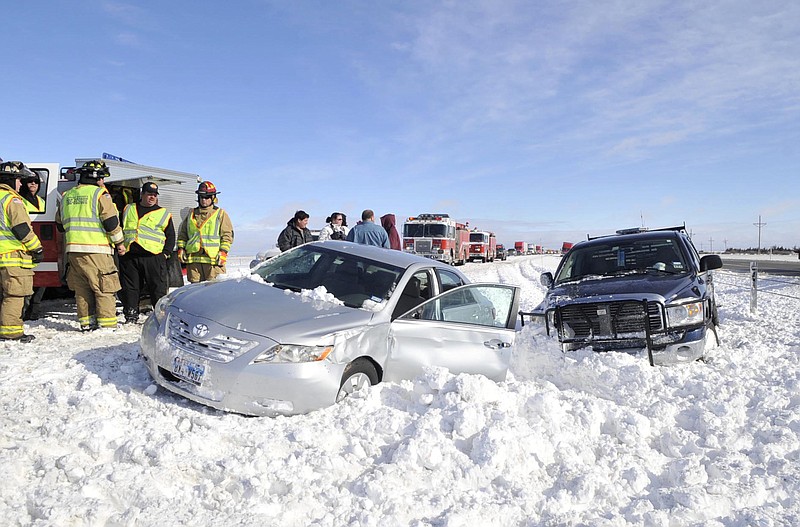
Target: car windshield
[(645, 256), (351, 279), (478, 237)]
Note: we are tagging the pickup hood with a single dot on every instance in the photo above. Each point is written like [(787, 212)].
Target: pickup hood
[(640, 286), (257, 308)]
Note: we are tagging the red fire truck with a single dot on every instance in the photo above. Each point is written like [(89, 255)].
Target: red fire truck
[(482, 246), (520, 248), (176, 194), (565, 247), (436, 236)]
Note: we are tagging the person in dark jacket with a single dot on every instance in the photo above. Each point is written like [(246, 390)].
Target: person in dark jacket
[(388, 222), (296, 232)]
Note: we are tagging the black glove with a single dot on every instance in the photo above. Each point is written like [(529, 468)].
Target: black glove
[(38, 255)]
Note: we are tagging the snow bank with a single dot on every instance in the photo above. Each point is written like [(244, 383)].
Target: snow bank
[(595, 439)]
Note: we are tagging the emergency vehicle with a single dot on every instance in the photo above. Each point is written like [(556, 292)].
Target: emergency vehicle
[(437, 236), (482, 246), (519, 247), (176, 194)]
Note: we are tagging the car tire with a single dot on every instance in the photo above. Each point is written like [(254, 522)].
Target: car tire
[(358, 375)]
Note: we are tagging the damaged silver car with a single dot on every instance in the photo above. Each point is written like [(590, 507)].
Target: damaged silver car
[(316, 323)]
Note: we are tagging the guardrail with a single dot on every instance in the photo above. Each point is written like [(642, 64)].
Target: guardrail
[(754, 287)]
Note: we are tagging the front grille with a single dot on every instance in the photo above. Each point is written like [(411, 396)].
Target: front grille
[(219, 348), (610, 320), (423, 246)]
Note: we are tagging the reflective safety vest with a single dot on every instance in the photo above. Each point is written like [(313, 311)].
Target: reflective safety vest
[(205, 236), (147, 231), (38, 207), (80, 216), (13, 253)]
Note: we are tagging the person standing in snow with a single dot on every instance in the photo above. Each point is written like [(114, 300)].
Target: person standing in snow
[(34, 204), (367, 232), (388, 222), (90, 220), (296, 232), (20, 251), (149, 239), (205, 237), (335, 229)]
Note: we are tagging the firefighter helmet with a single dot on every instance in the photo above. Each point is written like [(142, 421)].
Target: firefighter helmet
[(93, 170), (206, 189), (11, 170)]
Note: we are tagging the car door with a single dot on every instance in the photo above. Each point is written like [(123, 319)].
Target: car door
[(469, 329)]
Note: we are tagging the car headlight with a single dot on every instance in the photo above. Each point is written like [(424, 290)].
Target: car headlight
[(160, 309), (294, 353), (685, 314)]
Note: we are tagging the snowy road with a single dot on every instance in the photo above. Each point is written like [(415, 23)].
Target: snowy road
[(594, 439)]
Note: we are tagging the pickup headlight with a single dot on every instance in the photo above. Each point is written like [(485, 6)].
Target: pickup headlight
[(685, 314), (294, 353)]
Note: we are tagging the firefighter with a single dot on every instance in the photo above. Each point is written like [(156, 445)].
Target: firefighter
[(30, 191), (91, 222), (149, 238), (205, 237), (20, 251), (34, 204)]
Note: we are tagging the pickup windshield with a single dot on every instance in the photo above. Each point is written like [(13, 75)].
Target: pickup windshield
[(646, 256)]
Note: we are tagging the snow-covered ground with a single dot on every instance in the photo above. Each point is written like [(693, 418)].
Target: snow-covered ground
[(580, 439)]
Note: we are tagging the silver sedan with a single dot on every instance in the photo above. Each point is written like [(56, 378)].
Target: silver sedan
[(320, 321)]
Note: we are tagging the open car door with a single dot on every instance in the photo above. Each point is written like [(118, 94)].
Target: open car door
[(468, 329)]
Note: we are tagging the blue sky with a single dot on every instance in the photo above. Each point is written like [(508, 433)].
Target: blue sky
[(543, 121)]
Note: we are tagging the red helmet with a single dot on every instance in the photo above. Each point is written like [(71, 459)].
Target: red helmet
[(206, 190)]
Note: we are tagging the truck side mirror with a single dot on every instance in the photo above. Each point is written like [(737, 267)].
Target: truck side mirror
[(546, 279), (709, 262)]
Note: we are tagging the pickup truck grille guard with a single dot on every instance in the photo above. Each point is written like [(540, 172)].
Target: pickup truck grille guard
[(625, 324)]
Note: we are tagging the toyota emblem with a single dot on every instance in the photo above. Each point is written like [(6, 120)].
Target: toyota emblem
[(200, 330)]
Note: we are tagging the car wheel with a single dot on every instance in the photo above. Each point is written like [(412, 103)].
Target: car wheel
[(358, 375)]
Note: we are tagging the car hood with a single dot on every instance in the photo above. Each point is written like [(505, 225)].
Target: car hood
[(253, 307), (668, 288)]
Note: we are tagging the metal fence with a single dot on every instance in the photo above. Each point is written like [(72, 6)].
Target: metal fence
[(756, 287)]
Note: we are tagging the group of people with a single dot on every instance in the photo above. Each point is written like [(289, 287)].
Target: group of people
[(366, 232), (109, 253), (142, 237)]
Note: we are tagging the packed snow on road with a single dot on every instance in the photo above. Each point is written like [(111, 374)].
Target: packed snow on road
[(87, 438)]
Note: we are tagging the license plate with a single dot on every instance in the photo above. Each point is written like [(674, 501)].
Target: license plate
[(188, 370)]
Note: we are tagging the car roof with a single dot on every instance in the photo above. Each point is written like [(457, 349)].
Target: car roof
[(380, 254)]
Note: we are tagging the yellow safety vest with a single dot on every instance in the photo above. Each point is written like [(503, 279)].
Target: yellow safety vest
[(147, 231), (36, 208), (80, 216), (13, 253), (205, 236)]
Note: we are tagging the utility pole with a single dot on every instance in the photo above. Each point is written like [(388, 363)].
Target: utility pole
[(711, 245), (726, 244), (759, 225)]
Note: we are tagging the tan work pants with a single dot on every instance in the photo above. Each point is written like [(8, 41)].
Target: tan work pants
[(16, 284), (203, 272), (95, 279)]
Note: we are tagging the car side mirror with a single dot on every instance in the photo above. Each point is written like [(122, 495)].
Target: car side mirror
[(546, 279), (709, 262)]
